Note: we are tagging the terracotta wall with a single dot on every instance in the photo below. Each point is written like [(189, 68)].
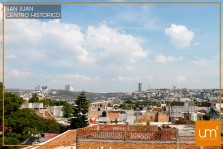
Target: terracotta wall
[(162, 117)]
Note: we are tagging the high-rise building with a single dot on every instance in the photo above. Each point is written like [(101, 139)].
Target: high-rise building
[(139, 87), (67, 87), (44, 87), (38, 88)]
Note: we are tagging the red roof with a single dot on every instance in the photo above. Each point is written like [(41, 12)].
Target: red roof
[(202, 111), (67, 138), (93, 121)]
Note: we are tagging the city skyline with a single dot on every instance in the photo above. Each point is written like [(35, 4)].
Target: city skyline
[(110, 48)]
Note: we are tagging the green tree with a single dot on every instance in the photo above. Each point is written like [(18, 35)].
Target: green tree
[(80, 110), (34, 98), (20, 124), (47, 102), (11, 103), (148, 123), (122, 106), (206, 117), (51, 125), (67, 108), (24, 122)]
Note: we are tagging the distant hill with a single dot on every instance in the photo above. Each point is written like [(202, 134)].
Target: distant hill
[(89, 95), (69, 95)]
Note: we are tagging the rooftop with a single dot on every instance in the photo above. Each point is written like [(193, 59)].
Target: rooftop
[(67, 138), (130, 136)]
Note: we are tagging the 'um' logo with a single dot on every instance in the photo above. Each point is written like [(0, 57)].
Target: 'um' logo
[(208, 131)]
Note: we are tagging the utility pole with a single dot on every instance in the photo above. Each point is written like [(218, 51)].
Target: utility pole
[(2, 42)]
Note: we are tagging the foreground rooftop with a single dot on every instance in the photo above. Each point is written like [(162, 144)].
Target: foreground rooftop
[(126, 137)]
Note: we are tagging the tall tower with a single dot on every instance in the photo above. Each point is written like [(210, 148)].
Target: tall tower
[(67, 87), (139, 87)]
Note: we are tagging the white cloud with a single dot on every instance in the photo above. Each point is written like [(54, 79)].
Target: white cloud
[(202, 62), (179, 35), (17, 73), (33, 54), (81, 77), (84, 57), (74, 78), (181, 79), (39, 46), (134, 79), (10, 56), (111, 46), (196, 81), (44, 47), (53, 39), (130, 68), (123, 79), (164, 59)]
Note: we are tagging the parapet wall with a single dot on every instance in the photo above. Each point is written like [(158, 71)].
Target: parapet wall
[(127, 132)]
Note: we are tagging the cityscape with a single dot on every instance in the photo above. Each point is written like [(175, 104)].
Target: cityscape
[(156, 108), (113, 76)]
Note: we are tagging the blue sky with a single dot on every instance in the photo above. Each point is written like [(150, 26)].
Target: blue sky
[(110, 48)]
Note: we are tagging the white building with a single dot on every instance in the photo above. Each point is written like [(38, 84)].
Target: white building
[(139, 87), (56, 111), (218, 105), (68, 88), (197, 116), (26, 96), (35, 105)]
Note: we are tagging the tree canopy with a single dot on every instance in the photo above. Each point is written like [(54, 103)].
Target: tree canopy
[(80, 109), (20, 124), (47, 102), (34, 98), (67, 108)]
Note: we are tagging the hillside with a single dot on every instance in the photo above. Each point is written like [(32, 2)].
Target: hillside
[(63, 94)]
